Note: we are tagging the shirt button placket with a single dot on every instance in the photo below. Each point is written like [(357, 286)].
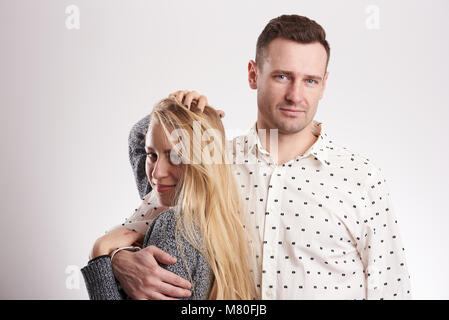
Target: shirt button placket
[(271, 235)]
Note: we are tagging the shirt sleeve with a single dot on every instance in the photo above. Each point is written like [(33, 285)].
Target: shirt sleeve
[(137, 155), (380, 244), (142, 217)]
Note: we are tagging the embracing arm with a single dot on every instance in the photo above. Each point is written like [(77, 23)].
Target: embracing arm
[(98, 274), (137, 273)]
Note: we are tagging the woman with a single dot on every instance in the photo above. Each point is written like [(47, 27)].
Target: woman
[(188, 169)]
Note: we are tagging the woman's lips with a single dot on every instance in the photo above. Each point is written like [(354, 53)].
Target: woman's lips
[(291, 112), (164, 188)]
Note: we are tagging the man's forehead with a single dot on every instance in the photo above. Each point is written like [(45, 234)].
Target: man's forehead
[(288, 55)]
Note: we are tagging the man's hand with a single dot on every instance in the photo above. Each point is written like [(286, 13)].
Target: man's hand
[(186, 98), (142, 278)]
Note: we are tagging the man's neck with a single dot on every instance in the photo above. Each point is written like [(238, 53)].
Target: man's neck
[(289, 145)]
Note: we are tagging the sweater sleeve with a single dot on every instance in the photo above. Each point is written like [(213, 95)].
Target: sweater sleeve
[(137, 155), (190, 263), (100, 280)]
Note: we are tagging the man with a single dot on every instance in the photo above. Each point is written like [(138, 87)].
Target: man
[(321, 215)]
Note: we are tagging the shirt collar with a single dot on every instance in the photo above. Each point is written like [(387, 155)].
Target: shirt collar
[(319, 150)]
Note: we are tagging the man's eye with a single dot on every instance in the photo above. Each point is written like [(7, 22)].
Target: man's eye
[(281, 76), (311, 81)]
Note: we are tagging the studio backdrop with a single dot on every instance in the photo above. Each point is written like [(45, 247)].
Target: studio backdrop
[(75, 76)]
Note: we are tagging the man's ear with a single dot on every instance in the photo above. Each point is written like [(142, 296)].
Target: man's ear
[(252, 74), (323, 87)]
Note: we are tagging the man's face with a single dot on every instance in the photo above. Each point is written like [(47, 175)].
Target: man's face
[(290, 81)]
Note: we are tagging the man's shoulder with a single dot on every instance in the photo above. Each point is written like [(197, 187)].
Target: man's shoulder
[(241, 137), (352, 163)]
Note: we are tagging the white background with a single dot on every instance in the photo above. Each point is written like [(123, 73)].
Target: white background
[(69, 97)]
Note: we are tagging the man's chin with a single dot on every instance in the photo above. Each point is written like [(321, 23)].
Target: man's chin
[(290, 128)]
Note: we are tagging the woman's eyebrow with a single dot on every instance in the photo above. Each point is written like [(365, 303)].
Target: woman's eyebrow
[(150, 148)]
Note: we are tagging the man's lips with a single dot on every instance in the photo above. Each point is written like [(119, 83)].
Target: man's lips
[(164, 187), (291, 112)]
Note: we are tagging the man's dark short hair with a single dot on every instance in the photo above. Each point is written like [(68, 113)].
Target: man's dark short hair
[(292, 27)]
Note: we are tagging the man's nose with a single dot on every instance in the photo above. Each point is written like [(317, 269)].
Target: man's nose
[(295, 92)]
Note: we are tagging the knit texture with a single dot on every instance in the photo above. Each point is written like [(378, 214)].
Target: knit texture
[(190, 265), (137, 154)]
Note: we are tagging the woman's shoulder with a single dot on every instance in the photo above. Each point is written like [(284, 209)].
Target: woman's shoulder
[(163, 225), (165, 218)]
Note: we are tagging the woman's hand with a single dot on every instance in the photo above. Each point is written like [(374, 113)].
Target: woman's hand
[(186, 98), (119, 237)]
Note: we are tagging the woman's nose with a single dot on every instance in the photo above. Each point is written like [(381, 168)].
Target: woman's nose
[(161, 169)]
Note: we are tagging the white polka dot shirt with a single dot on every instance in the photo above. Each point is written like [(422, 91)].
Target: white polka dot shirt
[(322, 224)]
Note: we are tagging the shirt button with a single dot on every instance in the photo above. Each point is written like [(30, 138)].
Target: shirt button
[(268, 293)]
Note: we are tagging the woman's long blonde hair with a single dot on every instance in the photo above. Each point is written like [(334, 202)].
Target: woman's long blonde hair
[(207, 199)]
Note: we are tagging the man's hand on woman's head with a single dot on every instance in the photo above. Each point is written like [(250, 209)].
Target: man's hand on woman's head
[(142, 278), (185, 98)]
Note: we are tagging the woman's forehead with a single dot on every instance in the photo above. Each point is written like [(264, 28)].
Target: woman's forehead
[(156, 137)]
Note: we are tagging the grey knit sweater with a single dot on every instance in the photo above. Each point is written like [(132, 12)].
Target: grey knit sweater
[(102, 285), (138, 155)]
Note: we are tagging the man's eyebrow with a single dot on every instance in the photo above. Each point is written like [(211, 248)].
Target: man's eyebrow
[(311, 76), (282, 71)]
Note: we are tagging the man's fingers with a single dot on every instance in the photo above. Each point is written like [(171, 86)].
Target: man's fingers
[(221, 113), (174, 280), (179, 96), (189, 97), (202, 102), (160, 296), (173, 95), (172, 291), (156, 296), (186, 98), (162, 256)]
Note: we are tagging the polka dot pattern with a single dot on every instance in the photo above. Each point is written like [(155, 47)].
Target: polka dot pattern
[(142, 217), (322, 224)]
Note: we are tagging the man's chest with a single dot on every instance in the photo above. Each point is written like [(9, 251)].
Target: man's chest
[(299, 205)]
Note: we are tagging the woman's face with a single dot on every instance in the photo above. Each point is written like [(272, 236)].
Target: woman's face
[(161, 172)]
